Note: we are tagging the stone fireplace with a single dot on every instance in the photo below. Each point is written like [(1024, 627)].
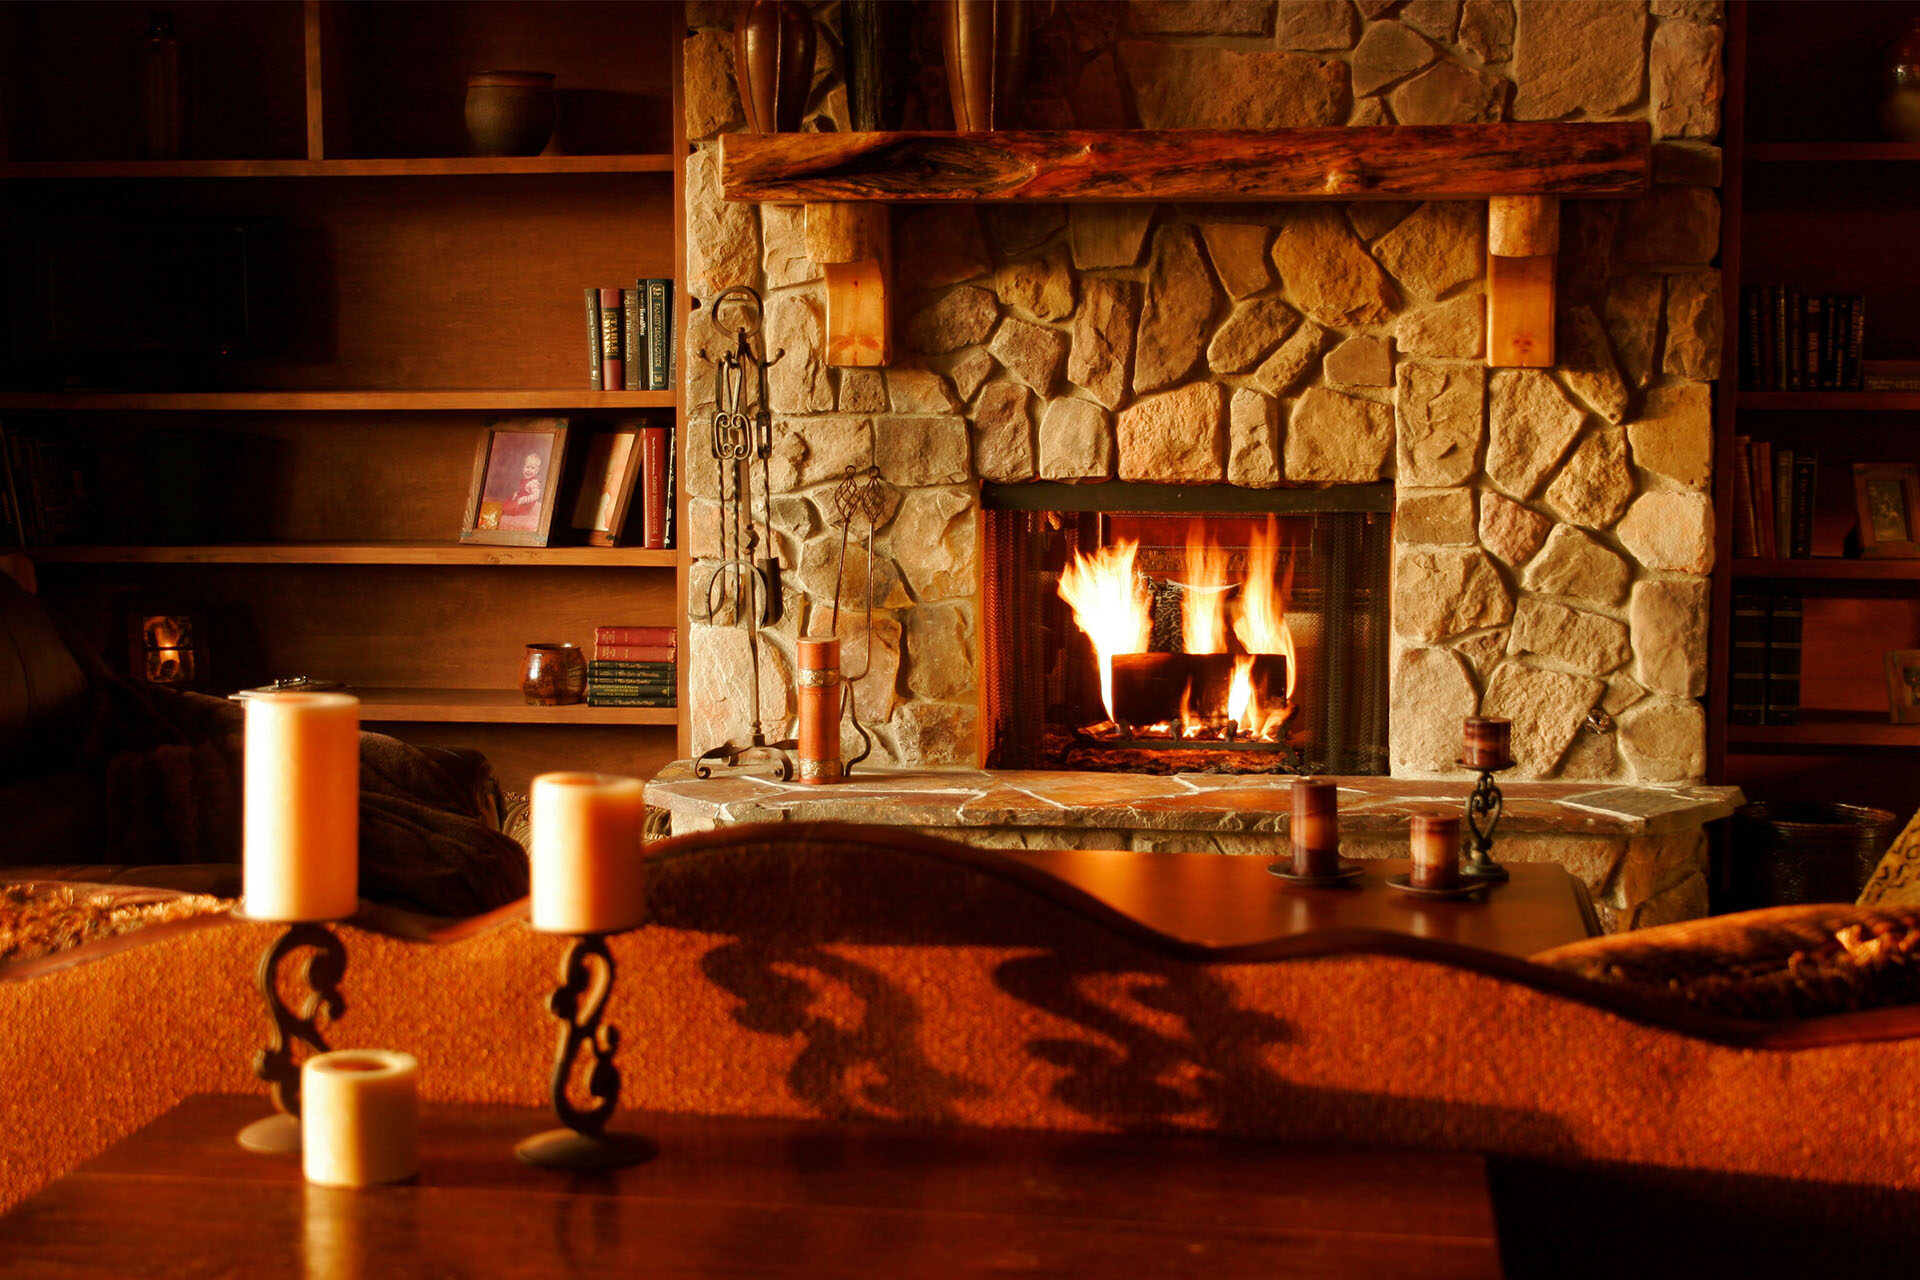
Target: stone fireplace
[(1552, 528)]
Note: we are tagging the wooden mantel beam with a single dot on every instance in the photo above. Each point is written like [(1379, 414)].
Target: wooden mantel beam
[(1392, 162)]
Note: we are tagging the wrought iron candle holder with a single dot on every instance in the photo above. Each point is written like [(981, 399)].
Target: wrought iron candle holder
[(1489, 750), (279, 1134), (579, 1002)]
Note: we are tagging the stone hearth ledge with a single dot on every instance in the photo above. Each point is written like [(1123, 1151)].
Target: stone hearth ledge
[(1641, 851)]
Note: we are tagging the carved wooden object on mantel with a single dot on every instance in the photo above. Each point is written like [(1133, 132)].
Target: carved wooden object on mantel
[(1521, 169)]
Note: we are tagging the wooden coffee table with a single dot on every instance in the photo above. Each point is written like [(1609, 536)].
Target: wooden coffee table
[(1232, 901), (759, 1198)]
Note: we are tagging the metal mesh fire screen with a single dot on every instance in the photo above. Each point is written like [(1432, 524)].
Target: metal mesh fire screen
[(1045, 701)]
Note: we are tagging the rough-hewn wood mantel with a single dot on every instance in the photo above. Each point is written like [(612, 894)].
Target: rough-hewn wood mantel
[(1390, 162)]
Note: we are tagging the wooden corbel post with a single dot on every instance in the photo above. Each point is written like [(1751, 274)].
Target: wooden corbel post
[(853, 243), (1523, 241)]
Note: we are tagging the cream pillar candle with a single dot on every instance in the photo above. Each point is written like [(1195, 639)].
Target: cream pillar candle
[(587, 875), (359, 1117), (1435, 845), (302, 806)]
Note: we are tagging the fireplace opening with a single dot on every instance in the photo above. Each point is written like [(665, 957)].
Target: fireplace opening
[(1158, 629)]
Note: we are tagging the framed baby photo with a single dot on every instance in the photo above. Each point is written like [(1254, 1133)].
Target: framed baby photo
[(1887, 500), (516, 474), (605, 491)]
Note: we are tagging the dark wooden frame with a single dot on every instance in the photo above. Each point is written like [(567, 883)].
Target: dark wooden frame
[(1907, 474), (1903, 709), (549, 489), (596, 479)]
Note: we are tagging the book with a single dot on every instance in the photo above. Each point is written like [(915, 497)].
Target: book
[(612, 348), (617, 669), (636, 635), (596, 376), (1746, 517), (1750, 363), (1813, 342), (633, 338), (1806, 467), (1782, 502), (1768, 545), (655, 446), (660, 334), (1784, 626), (1747, 666), (1856, 339), (627, 689), (647, 653), (600, 700), (1782, 379)]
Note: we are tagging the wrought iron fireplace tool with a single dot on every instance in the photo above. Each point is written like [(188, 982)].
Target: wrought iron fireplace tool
[(744, 579)]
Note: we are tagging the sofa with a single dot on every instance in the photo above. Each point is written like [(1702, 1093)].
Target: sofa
[(866, 975)]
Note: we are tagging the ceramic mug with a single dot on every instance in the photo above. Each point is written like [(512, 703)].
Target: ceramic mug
[(554, 675)]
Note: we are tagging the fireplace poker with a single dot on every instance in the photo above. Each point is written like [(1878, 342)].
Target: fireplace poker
[(741, 434), (826, 693)]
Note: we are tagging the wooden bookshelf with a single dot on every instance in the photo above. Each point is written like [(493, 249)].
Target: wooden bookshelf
[(1829, 729), (1833, 153), (1828, 569), (1830, 401), (301, 492)]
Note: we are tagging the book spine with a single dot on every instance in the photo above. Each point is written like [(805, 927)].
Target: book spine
[(1750, 337), (1856, 337), (662, 668), (1805, 472), (1746, 521), (1747, 668), (1782, 340), (633, 334), (659, 332), (653, 476), (1812, 334), (631, 688), (673, 488), (1782, 502), (1836, 341), (1767, 545), (1783, 660), (649, 653), (596, 376), (611, 700), (637, 635), (612, 349)]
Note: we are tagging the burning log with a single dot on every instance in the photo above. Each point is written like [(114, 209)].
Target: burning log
[(1151, 688)]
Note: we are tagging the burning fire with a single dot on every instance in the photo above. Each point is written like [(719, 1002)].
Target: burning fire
[(1114, 608), (1110, 606)]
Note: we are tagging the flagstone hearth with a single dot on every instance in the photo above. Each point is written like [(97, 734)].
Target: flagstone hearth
[(1641, 851)]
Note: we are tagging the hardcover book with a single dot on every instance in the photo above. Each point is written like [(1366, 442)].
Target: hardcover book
[(596, 376), (656, 448), (612, 346), (633, 336)]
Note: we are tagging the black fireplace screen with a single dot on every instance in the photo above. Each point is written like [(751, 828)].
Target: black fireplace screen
[(1194, 677)]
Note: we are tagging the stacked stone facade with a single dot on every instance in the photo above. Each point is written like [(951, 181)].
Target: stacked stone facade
[(1554, 527)]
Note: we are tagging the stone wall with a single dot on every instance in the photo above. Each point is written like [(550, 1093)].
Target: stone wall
[(1554, 528)]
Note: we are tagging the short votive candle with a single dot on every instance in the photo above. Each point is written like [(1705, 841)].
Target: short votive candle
[(301, 810), (587, 864), (1315, 827), (359, 1117), (1435, 848), (1489, 743)]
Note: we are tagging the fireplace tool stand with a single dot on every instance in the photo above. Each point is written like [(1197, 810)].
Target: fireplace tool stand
[(744, 580), (856, 498)]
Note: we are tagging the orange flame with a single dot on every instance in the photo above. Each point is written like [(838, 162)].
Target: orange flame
[(1240, 691), (1109, 605), (1260, 615), (1203, 615)]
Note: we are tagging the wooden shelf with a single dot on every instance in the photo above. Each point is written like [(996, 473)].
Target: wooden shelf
[(387, 167), (1833, 152), (443, 553), (1831, 401), (1830, 569), (494, 706), (1839, 729), (332, 401), (1384, 162)]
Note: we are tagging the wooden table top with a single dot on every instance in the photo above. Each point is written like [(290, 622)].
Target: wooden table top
[(758, 1198), (1228, 901)]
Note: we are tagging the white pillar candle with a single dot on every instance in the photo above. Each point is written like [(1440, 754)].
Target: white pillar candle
[(302, 810), (359, 1117), (587, 875)]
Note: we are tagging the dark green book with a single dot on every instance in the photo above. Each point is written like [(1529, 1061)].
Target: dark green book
[(623, 700), (642, 670), (1747, 668), (1784, 625), (660, 333)]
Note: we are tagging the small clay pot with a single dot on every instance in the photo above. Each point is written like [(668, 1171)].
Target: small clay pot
[(510, 113), (554, 675)]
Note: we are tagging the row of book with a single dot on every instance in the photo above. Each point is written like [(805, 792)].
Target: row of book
[(46, 490), (632, 337), (1773, 500), (634, 667), (1792, 341), (1764, 673)]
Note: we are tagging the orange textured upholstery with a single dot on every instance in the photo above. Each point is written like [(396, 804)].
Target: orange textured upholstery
[(823, 972)]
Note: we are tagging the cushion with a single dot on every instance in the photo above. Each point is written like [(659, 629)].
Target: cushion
[(1896, 877)]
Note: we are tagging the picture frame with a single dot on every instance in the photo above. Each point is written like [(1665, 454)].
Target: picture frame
[(167, 646), (517, 467), (1886, 498), (1903, 685), (608, 477)]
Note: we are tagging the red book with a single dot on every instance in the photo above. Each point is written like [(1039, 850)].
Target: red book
[(635, 653), (654, 442), (1746, 512), (613, 347), (637, 635)]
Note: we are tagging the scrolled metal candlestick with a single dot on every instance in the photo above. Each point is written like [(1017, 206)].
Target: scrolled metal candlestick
[(279, 1134), (579, 1002), (1483, 815)]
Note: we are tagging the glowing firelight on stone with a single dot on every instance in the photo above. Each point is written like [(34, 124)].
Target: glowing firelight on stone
[(1110, 606)]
